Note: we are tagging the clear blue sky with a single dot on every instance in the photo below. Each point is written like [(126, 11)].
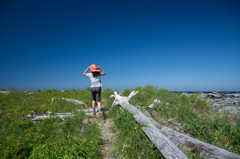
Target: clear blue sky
[(177, 45)]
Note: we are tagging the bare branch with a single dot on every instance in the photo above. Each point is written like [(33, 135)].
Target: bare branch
[(133, 93), (168, 149)]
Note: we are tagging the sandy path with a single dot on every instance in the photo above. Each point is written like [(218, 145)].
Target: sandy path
[(109, 139)]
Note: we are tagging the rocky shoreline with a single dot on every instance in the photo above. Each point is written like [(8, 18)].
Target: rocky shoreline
[(224, 102)]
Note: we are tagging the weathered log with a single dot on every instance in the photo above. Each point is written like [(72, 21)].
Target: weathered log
[(71, 100), (171, 123), (38, 117), (4, 92), (206, 150), (168, 149), (156, 101)]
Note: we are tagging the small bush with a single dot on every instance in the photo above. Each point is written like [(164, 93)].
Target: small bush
[(132, 142)]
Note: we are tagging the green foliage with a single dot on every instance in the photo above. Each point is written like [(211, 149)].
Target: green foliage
[(132, 142), (106, 100), (194, 114), (70, 145), (55, 138), (144, 97), (50, 138), (82, 95), (63, 106)]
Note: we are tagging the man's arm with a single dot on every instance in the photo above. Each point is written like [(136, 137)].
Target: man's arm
[(84, 73), (103, 73)]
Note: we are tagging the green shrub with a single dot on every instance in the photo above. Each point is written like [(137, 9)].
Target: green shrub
[(55, 138), (50, 138), (195, 116), (71, 146), (106, 100), (132, 142)]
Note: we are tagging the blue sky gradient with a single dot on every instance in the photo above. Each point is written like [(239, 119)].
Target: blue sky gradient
[(178, 45)]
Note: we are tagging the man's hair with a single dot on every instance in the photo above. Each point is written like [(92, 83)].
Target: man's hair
[(95, 74)]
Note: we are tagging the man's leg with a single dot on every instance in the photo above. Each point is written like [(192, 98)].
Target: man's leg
[(99, 105), (93, 92), (93, 106), (98, 99)]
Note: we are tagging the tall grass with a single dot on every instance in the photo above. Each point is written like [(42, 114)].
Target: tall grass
[(55, 138), (194, 114), (132, 142), (51, 138)]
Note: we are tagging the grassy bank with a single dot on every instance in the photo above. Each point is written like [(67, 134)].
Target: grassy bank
[(132, 142), (50, 138), (194, 114), (56, 138)]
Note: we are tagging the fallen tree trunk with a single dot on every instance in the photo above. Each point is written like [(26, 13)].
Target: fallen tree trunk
[(39, 117), (72, 100), (63, 116), (168, 149), (206, 150), (4, 92)]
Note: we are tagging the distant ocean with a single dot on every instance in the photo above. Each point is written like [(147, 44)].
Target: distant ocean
[(205, 91)]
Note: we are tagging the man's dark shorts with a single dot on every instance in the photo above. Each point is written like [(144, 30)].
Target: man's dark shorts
[(96, 93)]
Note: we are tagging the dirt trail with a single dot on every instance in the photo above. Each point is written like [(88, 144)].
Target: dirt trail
[(109, 139)]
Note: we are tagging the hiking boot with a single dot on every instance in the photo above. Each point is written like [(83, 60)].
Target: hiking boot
[(99, 113), (93, 113)]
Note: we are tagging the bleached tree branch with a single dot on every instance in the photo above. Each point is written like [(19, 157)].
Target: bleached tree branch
[(168, 149)]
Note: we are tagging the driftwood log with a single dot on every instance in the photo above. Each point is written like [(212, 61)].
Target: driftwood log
[(4, 92), (206, 150), (71, 100), (168, 149), (38, 117), (63, 116)]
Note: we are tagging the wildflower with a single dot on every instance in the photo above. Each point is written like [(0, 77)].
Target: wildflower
[(19, 143)]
